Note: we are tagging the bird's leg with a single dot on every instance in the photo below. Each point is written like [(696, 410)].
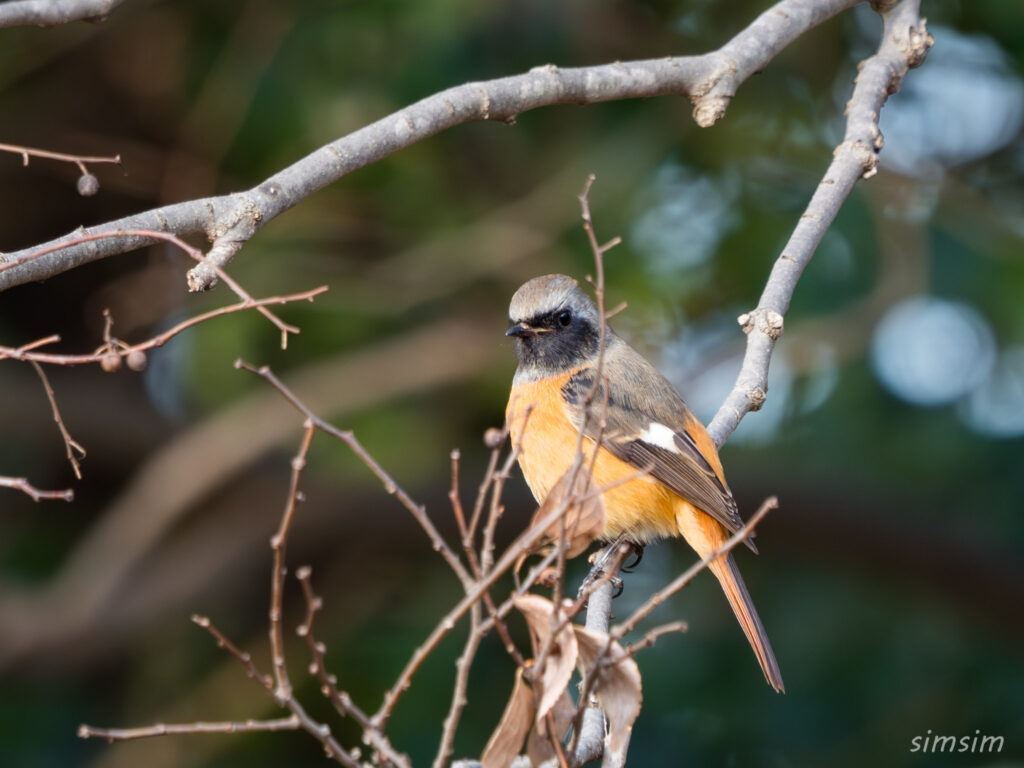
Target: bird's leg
[(605, 557)]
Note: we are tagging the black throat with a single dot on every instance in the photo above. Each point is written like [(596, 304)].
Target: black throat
[(559, 349)]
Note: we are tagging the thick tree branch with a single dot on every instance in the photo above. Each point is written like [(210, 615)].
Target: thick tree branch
[(590, 739), (228, 221), (47, 13), (905, 42)]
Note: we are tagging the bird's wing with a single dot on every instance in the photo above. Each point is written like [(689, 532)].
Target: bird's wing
[(647, 424)]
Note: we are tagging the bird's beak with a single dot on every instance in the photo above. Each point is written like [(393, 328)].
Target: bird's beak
[(522, 329)]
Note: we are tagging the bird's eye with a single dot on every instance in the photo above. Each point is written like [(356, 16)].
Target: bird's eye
[(564, 318)]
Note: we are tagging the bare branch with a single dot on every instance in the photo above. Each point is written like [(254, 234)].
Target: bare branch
[(23, 485), (290, 723), (418, 511), (148, 234), (494, 439), (342, 702), (468, 535), (71, 446), (46, 13), (251, 671), (459, 700), (475, 589), (904, 44), (169, 484), (278, 543), (27, 352), (522, 544), (319, 731), (588, 733), (228, 221), (88, 184), (653, 634), (79, 160), (589, 726)]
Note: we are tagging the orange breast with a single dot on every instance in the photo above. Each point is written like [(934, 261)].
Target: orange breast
[(643, 508)]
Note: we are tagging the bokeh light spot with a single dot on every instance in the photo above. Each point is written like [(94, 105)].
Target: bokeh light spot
[(930, 351), (684, 217), (996, 407)]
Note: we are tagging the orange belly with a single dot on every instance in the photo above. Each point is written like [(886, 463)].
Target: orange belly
[(643, 508)]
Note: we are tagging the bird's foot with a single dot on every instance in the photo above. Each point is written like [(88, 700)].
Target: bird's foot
[(595, 575), (603, 561), (637, 550), (618, 585)]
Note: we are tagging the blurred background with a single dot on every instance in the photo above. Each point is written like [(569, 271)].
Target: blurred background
[(891, 581)]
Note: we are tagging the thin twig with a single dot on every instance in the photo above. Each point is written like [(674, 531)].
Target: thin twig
[(456, 499), (264, 681), (687, 576), (78, 160), (522, 544), (342, 702), (604, 571), (290, 723), (390, 486), (652, 636), (26, 352), (22, 484), (485, 484), (279, 543), (459, 700), (153, 234), (467, 544), (319, 731), (71, 446), (498, 481), (588, 724)]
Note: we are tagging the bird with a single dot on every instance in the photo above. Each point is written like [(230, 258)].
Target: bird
[(643, 424)]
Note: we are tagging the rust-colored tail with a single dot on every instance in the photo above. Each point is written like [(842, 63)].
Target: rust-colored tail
[(729, 577)]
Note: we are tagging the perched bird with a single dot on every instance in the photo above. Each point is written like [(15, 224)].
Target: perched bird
[(557, 333)]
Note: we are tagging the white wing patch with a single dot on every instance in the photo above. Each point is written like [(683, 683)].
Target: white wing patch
[(661, 436)]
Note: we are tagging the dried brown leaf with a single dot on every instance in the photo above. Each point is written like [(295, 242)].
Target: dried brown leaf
[(617, 686), (562, 655), (539, 746), (584, 517), (507, 739)]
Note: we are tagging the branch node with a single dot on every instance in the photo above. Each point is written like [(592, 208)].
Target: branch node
[(757, 396), (709, 109), (918, 42), (773, 323), (494, 437), (767, 321)]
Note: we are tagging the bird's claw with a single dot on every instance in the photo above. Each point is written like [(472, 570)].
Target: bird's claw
[(637, 550), (618, 585)]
